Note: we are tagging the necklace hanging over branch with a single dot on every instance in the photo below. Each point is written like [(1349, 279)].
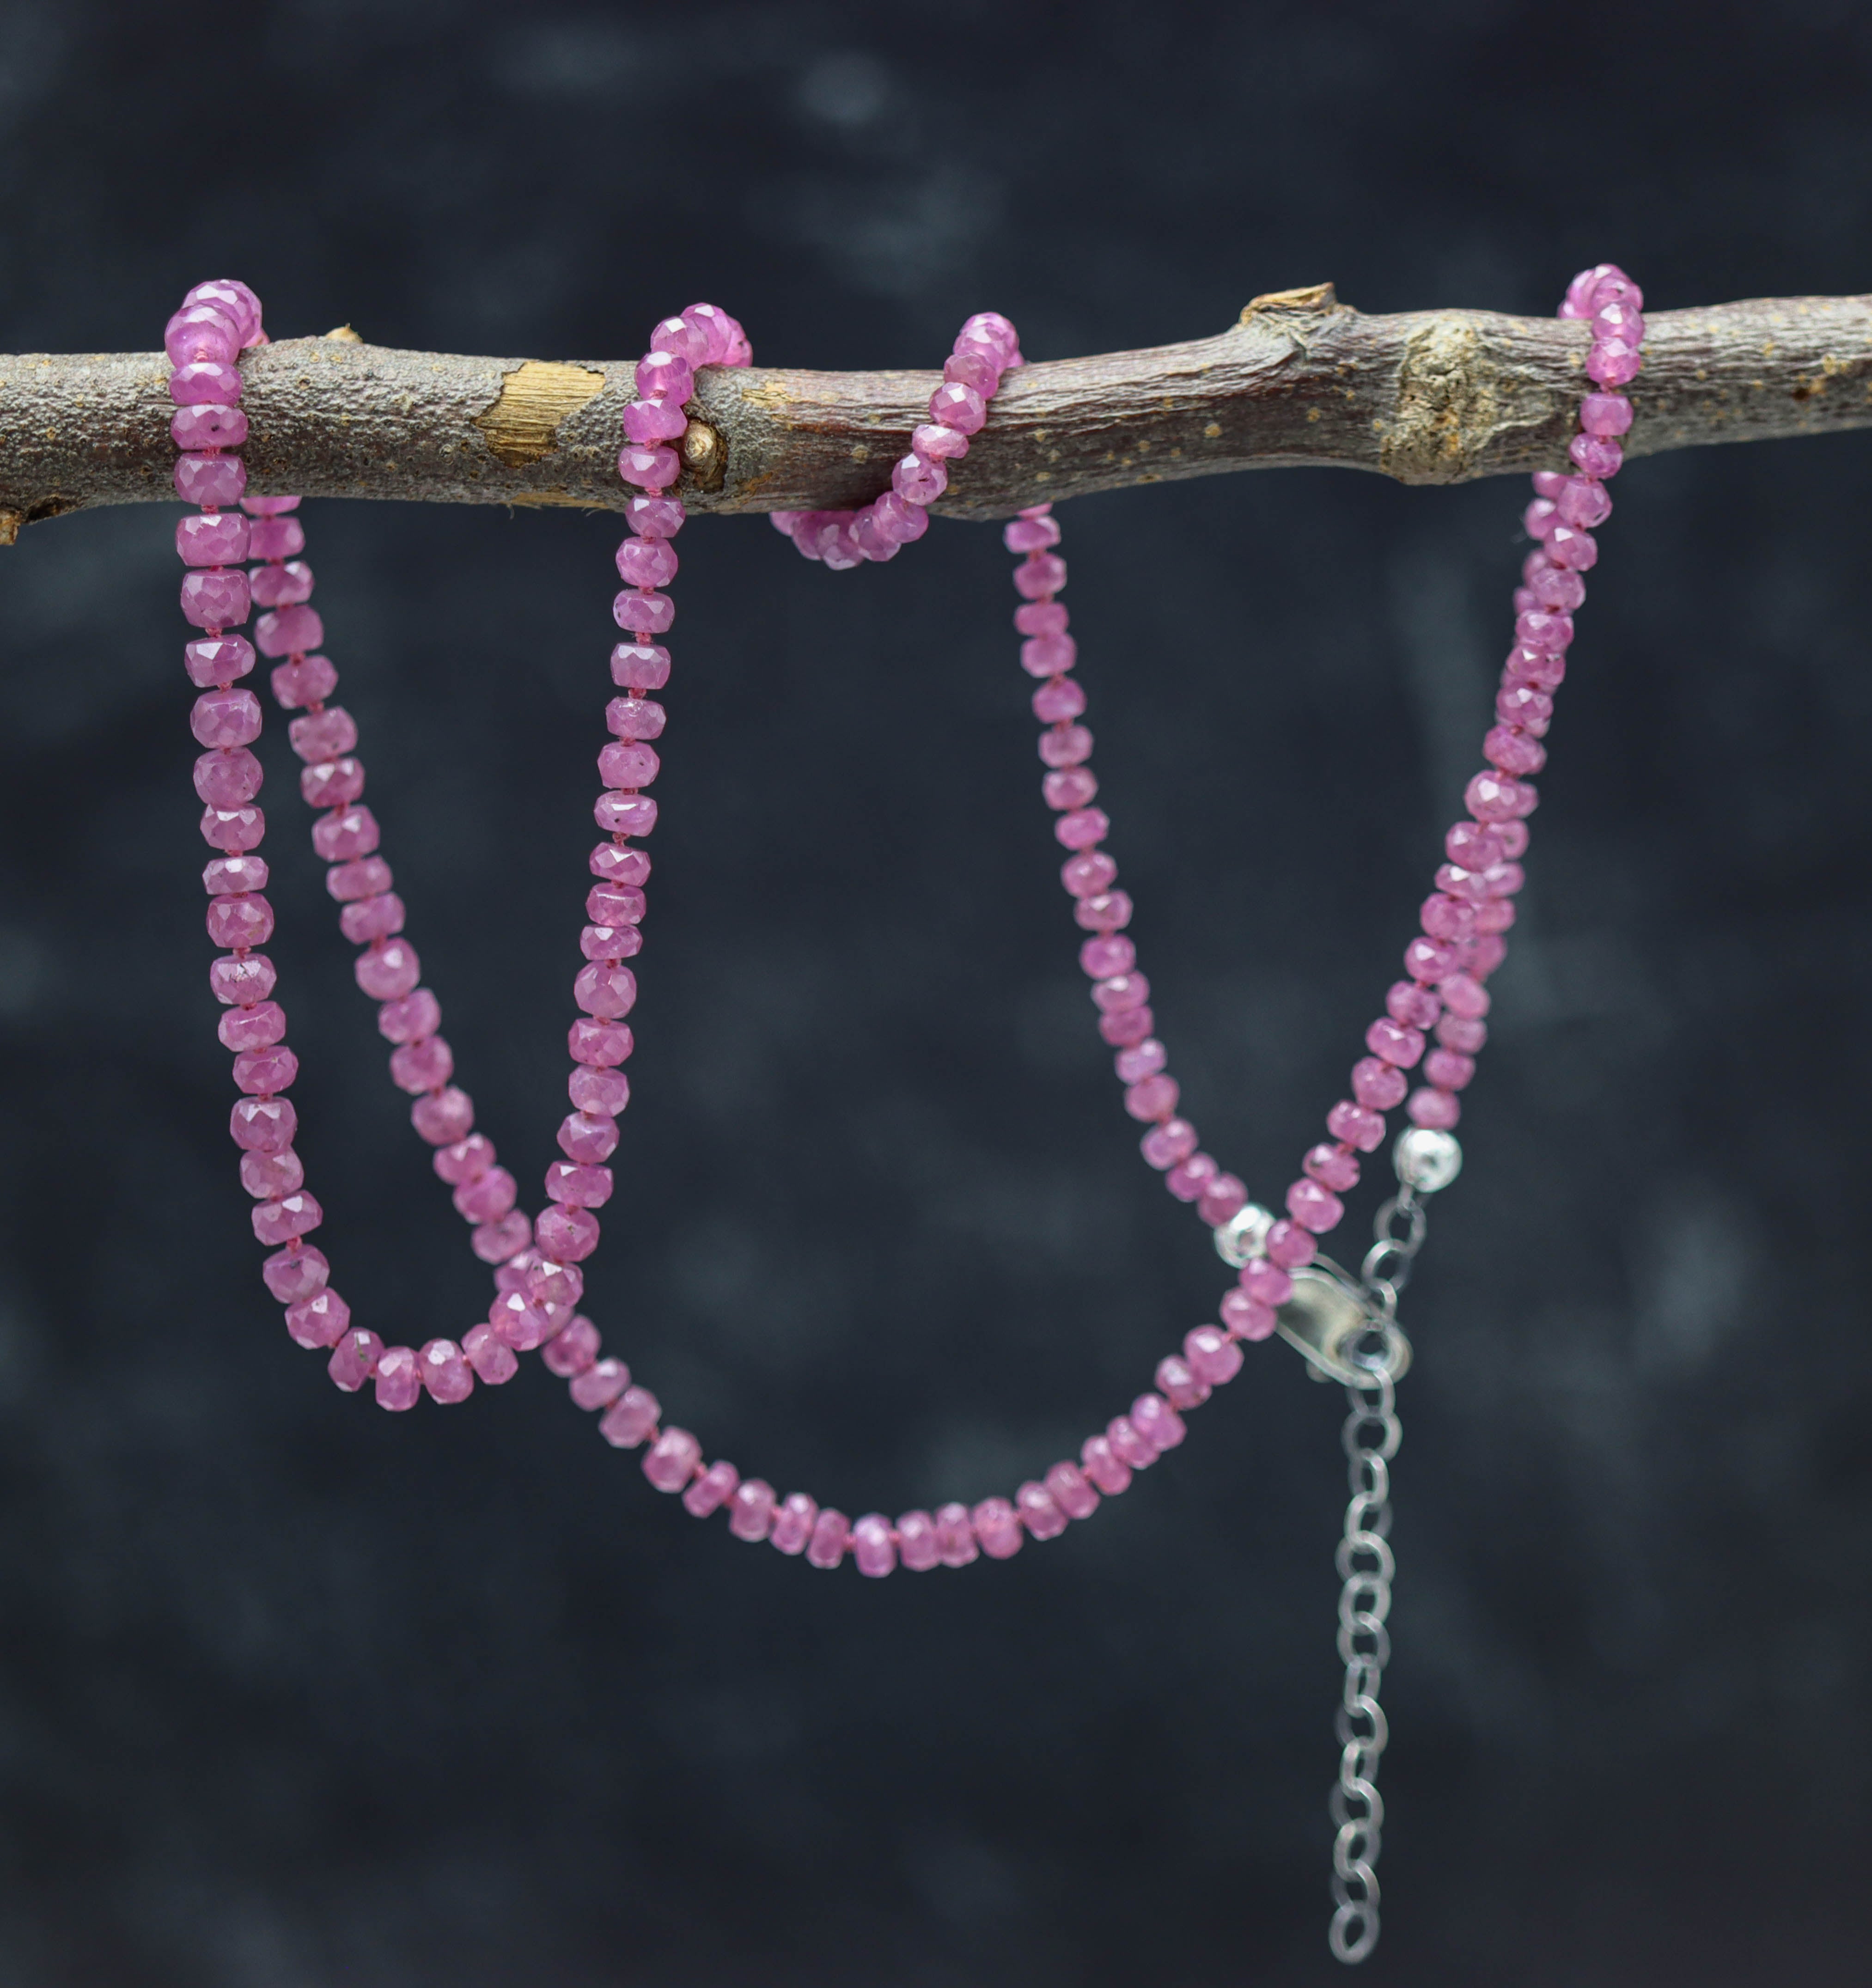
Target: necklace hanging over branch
[(1426, 396)]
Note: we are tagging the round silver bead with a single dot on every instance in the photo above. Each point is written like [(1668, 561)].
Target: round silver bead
[(1244, 1234), (1427, 1160)]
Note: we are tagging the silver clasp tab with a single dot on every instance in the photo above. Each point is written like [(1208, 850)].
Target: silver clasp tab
[(1344, 1335)]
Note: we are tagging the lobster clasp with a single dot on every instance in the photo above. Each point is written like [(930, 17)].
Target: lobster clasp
[(1340, 1330)]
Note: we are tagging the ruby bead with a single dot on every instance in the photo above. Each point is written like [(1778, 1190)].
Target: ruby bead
[(1447, 1070), (213, 481), (751, 1509), (918, 1543), (997, 1528), (1613, 363), (1584, 502), (1462, 1032), (1065, 746), (331, 783), (1062, 698), (206, 426), (487, 1197), (599, 1383), (1332, 1167), (329, 734), (1436, 1110), (211, 538), (217, 660), (1289, 1246), (1392, 1043), (1265, 1283), (443, 1371), (1084, 828), (599, 1090), (399, 1378), (410, 1018), (240, 980), (639, 666), (831, 1535), (628, 763), (635, 718), (354, 1359), (650, 466), (873, 1548), (257, 1027), (936, 441), (1119, 992), (1513, 752), (793, 1523), (280, 1221), (262, 1072), (1541, 671), (295, 1272), (1158, 1423), (1356, 1125), (672, 1459), (606, 991), (1189, 1179), (388, 970), (648, 422), (1140, 1060), (712, 1489), (1246, 1318), (1605, 414), (346, 833), (630, 1419), (466, 1160), (579, 1186), (372, 918), (1178, 1385), (1222, 1198), (976, 370), (205, 379), (1040, 574), (499, 1242), (319, 1320), (350, 882), (199, 331), (1378, 1084), (1039, 1511), (1069, 787), (517, 1322), (588, 1138), (289, 631), (1030, 535), (1089, 873), (241, 921), (1154, 1098), (1126, 1026), (1041, 617), (1316, 1208), (917, 481), (1416, 1007), (1108, 912), (493, 1363), (603, 1043), (566, 1234), (443, 1117), (1165, 1145), (279, 586), (1463, 996), (265, 1176)]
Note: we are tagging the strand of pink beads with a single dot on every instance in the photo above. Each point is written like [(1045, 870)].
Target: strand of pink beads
[(1461, 944)]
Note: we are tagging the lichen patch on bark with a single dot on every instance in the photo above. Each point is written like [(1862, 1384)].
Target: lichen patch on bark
[(522, 425)]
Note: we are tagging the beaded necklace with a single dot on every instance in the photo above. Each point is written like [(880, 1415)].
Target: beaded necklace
[(1344, 1323)]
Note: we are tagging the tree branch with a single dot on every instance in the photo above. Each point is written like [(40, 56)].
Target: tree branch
[(1427, 396)]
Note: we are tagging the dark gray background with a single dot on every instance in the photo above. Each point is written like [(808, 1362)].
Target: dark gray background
[(295, 1693)]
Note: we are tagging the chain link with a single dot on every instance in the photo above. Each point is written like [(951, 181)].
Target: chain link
[(1366, 1568)]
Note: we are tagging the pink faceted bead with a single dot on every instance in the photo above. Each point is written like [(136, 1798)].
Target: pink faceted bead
[(667, 374), (1178, 1385), (1140, 1060), (241, 920), (1065, 746), (1394, 1043), (1119, 992), (387, 969), (600, 1043), (265, 1176), (261, 1073), (635, 718), (1070, 1494), (1584, 502), (1435, 1109), (672, 1459), (331, 783), (280, 1221), (916, 1542), (588, 1138), (1613, 363), (212, 660), (211, 538), (1513, 752), (1211, 1357), (1190, 1179), (1128, 1443), (1378, 1084), (1108, 910), (1447, 1070), (566, 1234), (639, 666), (549, 1284), (399, 1378), (1030, 535), (493, 1363), (372, 918), (205, 379), (873, 1547), (236, 303), (899, 519), (1166, 1144), (1332, 1167), (689, 343), (643, 612), (1316, 1208), (269, 507), (1103, 1466), (918, 480), (711, 1490), (443, 1117), (487, 1197), (1289, 1246), (595, 1090), (1069, 787), (355, 1359), (954, 406), (997, 1528), (1357, 1125), (612, 905), (323, 734), (1416, 1007), (467, 1160), (573, 1351), (628, 763), (1126, 1026), (279, 586), (1246, 1318), (1063, 699), (973, 369), (255, 1028), (609, 992), (1464, 996), (199, 331), (517, 1322), (1039, 575), (649, 466), (1088, 873), (646, 423), (1152, 1098), (630, 1419), (496, 1241), (750, 1515), (213, 481), (1040, 1511), (1264, 1282), (793, 1523), (276, 538), (295, 1272), (831, 1533), (289, 631), (1576, 550), (1041, 617), (223, 717), (444, 1372), (1048, 655), (263, 1124), (322, 1320), (936, 441), (599, 1383), (1460, 1033), (346, 833), (1083, 828), (1221, 1199), (955, 1537), (1537, 629), (579, 1186), (1157, 1423), (410, 1018), (1605, 414), (1497, 797), (206, 427)]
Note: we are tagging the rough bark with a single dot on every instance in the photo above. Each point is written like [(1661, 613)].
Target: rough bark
[(1426, 396)]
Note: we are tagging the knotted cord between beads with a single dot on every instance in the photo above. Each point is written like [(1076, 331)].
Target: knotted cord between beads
[(1461, 944)]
